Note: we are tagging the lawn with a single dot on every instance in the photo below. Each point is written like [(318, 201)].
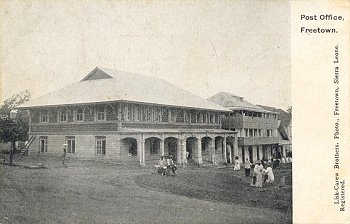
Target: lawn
[(225, 185), (98, 192)]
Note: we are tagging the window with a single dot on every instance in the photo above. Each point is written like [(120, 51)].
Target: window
[(70, 141), (44, 116), (136, 113), (246, 132), (43, 144), (100, 113), (251, 134), (198, 117), (269, 133), (62, 116), (128, 113), (101, 145), (259, 132), (149, 115), (79, 115), (156, 114), (210, 118), (255, 132)]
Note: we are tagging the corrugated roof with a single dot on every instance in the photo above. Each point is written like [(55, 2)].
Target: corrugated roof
[(107, 85), (234, 102)]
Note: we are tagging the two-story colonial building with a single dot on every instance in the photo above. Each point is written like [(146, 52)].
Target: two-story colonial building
[(128, 117), (256, 127)]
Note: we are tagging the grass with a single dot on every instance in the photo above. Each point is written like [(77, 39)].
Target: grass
[(225, 185), (99, 192)]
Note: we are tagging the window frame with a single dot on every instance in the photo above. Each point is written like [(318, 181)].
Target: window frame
[(69, 149), (76, 113), (46, 115), (100, 145), (46, 143), (60, 114), (98, 113)]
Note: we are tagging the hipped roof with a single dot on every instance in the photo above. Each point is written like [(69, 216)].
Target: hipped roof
[(107, 85), (234, 102)]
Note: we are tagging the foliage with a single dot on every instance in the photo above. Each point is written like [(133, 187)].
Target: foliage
[(289, 110), (14, 130)]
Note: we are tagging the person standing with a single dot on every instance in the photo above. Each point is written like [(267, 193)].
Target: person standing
[(237, 164), (259, 171), (269, 173), (259, 178), (247, 166), (63, 156)]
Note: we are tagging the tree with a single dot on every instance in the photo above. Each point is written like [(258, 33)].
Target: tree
[(289, 110), (12, 130)]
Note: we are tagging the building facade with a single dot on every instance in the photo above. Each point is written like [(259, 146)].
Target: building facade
[(126, 117), (257, 128), (284, 130)]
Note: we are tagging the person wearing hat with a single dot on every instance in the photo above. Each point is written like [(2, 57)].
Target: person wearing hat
[(63, 156)]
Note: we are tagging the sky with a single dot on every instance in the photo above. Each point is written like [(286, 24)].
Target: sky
[(241, 47)]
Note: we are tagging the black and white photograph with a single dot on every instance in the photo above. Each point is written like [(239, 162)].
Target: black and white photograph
[(146, 112)]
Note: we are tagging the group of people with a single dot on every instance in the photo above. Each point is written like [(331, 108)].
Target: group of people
[(166, 166), (260, 173)]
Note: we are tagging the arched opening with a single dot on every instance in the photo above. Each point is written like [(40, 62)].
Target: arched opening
[(219, 144), (191, 148), (129, 147), (170, 147), (230, 150), (152, 148), (206, 144)]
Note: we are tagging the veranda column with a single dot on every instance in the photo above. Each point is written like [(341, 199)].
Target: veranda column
[(178, 151), (284, 151), (212, 148), (139, 151), (183, 150), (199, 147), (162, 147), (225, 150), (230, 153), (235, 146), (143, 152)]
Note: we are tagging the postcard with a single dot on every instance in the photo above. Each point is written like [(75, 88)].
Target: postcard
[(118, 111)]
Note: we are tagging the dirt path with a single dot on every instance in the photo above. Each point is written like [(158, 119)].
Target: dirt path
[(107, 194)]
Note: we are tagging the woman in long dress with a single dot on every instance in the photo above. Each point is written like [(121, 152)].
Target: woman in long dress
[(237, 164), (259, 178), (269, 173), (258, 175)]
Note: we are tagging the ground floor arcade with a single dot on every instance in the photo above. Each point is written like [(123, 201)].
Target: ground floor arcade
[(142, 146), (256, 153)]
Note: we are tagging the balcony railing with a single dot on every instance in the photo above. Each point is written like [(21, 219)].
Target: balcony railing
[(249, 122), (257, 140)]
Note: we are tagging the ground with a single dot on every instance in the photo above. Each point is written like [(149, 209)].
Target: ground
[(98, 192)]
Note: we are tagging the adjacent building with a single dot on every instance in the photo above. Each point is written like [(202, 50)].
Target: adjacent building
[(257, 127), (127, 117), (284, 130)]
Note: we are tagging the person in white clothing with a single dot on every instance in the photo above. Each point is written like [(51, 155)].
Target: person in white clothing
[(237, 164), (270, 177)]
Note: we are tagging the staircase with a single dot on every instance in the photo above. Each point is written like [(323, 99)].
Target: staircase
[(26, 147)]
